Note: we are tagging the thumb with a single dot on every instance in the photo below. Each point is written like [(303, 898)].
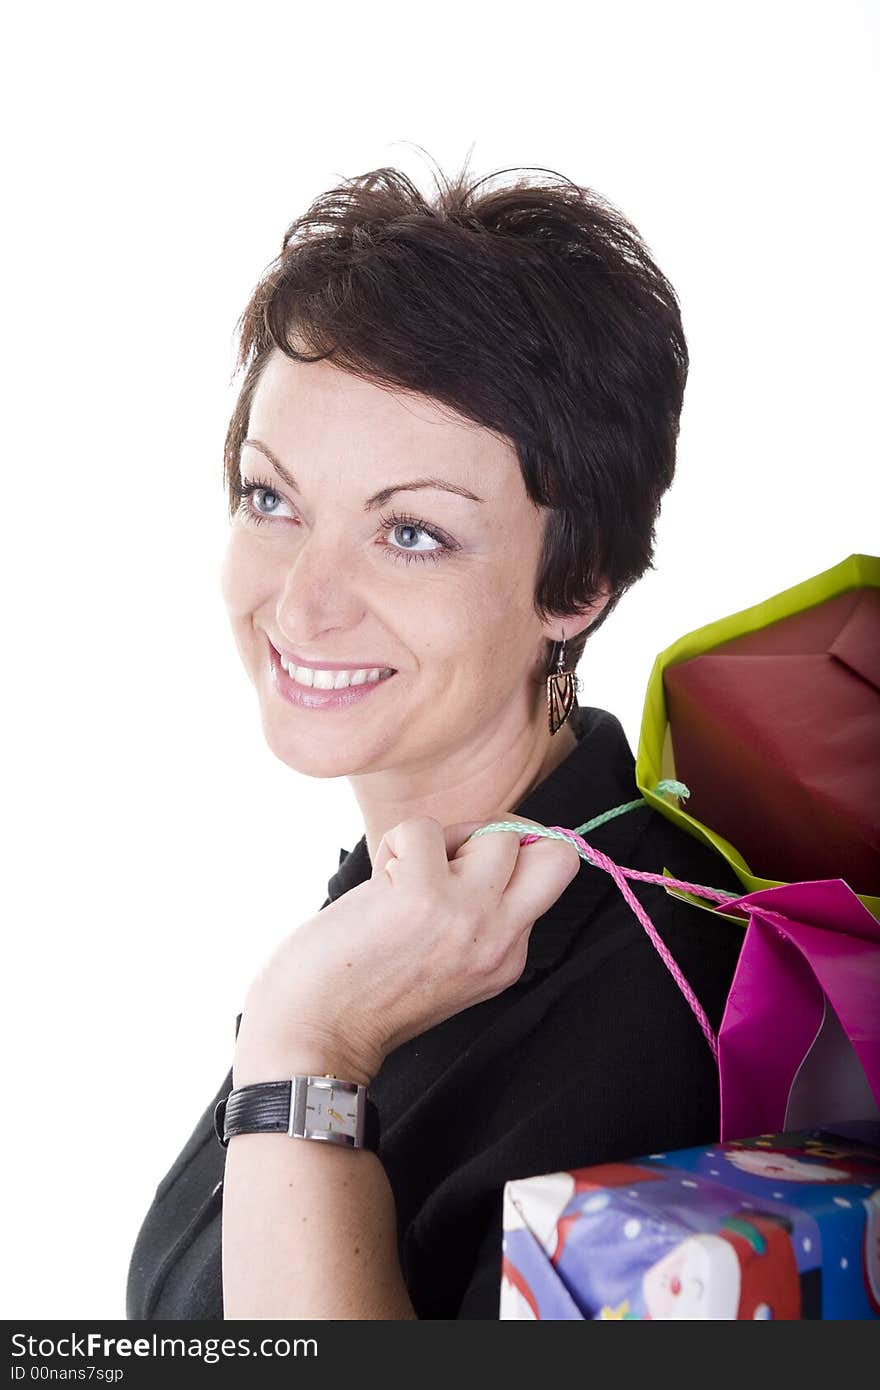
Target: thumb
[(456, 835), (542, 872)]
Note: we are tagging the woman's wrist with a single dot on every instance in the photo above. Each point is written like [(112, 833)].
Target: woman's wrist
[(253, 1066), (267, 1052)]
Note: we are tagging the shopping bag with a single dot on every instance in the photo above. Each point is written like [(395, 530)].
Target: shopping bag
[(799, 1042), (771, 718)]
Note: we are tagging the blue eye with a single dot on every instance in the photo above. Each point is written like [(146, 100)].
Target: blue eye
[(254, 513), (245, 493), (396, 522)]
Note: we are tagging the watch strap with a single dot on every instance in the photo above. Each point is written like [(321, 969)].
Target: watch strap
[(265, 1108)]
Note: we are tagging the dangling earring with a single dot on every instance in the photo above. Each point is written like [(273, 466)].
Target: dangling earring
[(561, 690)]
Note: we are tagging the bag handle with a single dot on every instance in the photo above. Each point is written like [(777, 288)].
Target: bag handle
[(620, 875)]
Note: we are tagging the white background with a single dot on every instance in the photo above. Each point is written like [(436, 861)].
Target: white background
[(156, 851)]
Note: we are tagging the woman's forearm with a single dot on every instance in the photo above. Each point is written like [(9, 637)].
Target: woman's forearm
[(309, 1228)]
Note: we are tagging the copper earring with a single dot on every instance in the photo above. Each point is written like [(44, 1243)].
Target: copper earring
[(561, 690)]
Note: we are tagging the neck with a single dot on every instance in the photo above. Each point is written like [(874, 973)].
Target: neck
[(482, 781)]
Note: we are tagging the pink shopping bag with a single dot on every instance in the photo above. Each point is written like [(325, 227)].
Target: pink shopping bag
[(799, 1043)]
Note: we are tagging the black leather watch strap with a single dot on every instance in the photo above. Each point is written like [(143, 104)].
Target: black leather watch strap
[(264, 1108)]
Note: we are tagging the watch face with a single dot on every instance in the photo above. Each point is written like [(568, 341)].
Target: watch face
[(331, 1110)]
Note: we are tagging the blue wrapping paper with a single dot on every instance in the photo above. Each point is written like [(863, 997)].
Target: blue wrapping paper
[(780, 1226)]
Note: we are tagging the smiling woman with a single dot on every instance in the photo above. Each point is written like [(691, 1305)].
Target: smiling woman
[(460, 1011), (306, 575)]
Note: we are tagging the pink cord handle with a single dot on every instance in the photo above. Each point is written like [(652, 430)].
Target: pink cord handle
[(620, 875)]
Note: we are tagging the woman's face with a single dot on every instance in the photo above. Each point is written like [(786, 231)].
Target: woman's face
[(361, 557)]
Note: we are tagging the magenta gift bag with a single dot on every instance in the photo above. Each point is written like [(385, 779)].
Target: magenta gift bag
[(799, 1043)]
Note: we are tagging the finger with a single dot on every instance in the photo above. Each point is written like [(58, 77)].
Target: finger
[(383, 854), (543, 871), (497, 852), (413, 851), (486, 862), (391, 843), (457, 836)]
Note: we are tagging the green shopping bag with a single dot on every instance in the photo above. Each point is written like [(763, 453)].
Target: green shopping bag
[(771, 718)]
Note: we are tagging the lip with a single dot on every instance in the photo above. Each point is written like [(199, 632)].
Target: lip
[(305, 697), (329, 665)]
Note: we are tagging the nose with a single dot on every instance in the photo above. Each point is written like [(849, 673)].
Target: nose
[(319, 593)]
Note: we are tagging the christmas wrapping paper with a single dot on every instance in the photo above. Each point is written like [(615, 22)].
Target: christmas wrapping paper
[(781, 1226)]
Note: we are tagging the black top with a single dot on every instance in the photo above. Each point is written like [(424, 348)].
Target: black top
[(592, 1056)]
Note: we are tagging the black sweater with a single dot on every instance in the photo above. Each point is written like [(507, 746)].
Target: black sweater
[(592, 1056)]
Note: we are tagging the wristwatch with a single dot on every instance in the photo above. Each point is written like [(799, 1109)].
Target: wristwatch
[(306, 1107)]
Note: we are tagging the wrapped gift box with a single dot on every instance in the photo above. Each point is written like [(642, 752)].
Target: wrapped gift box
[(780, 1226)]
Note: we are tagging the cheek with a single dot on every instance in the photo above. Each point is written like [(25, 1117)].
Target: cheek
[(472, 631), (243, 578)]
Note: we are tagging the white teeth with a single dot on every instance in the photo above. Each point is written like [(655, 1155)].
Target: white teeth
[(301, 674), (332, 680)]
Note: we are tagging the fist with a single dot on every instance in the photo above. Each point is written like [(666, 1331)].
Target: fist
[(443, 923)]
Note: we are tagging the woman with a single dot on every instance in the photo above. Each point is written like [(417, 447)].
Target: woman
[(454, 431)]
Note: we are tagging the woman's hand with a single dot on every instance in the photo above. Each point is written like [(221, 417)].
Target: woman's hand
[(440, 926)]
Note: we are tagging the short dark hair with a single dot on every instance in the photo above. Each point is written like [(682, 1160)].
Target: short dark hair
[(534, 309)]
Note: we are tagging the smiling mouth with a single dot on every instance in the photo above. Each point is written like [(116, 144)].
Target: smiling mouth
[(335, 680), (311, 679), (331, 677), (321, 686)]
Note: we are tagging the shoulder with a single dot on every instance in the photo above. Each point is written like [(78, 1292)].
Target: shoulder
[(659, 846), (614, 984)]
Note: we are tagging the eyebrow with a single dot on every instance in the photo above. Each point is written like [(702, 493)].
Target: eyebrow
[(379, 498)]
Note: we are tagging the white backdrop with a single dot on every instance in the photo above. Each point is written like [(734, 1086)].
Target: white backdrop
[(156, 851)]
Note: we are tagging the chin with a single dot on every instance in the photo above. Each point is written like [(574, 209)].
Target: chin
[(321, 754), (313, 757)]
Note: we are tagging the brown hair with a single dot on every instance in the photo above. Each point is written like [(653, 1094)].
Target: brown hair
[(531, 308)]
